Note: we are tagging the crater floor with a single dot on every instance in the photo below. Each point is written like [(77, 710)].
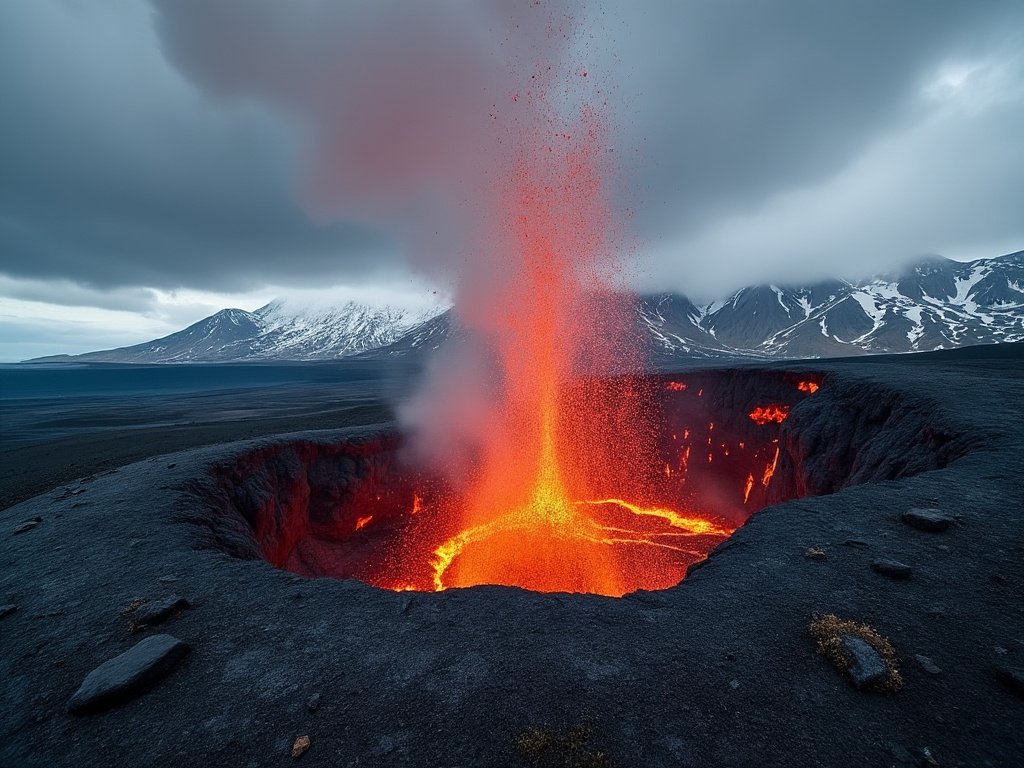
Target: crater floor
[(717, 671)]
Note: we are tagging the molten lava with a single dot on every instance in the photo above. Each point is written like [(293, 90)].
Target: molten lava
[(764, 414), (566, 490)]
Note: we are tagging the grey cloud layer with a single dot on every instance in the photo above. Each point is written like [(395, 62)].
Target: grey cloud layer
[(181, 145), (116, 172)]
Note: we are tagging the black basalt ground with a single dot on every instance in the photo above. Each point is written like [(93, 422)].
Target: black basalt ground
[(717, 671)]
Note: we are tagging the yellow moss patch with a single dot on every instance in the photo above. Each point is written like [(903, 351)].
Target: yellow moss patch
[(827, 632), (129, 613), (566, 747)]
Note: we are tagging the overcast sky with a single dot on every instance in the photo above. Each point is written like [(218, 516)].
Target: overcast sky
[(164, 160)]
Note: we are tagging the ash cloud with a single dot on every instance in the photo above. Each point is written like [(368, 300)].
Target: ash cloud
[(396, 101)]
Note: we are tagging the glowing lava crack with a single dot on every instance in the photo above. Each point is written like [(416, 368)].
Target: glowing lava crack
[(568, 546)]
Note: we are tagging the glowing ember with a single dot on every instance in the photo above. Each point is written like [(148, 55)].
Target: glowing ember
[(810, 387), (564, 491), (770, 469), (763, 414), (363, 521)]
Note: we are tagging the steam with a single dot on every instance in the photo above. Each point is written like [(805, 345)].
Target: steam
[(398, 101), (411, 113)]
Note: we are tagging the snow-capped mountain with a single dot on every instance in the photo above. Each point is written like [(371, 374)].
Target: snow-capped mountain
[(936, 304), (276, 331)]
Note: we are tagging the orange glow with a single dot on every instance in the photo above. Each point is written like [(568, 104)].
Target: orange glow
[(528, 518), (770, 469), (563, 491), (764, 414), (748, 487), (362, 521), (809, 387), (417, 504)]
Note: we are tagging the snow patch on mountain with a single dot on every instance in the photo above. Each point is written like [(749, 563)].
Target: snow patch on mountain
[(935, 304)]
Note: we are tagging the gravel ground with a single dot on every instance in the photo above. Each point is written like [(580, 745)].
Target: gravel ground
[(719, 671)]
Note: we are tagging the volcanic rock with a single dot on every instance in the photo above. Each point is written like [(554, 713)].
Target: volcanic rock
[(866, 665), (813, 553), (159, 611), (300, 746), (28, 525), (313, 703), (927, 664), (127, 676), (892, 568), (1012, 678), (7, 610), (931, 520)]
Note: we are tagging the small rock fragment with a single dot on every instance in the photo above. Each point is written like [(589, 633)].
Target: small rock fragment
[(925, 757), (1012, 678), (930, 520), (902, 754), (300, 746), (734, 684), (894, 569), (313, 702), (7, 610), (813, 553), (127, 676), (855, 543), (159, 611), (167, 579), (28, 525), (866, 665), (927, 665)]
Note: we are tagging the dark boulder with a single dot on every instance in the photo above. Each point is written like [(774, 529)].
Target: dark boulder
[(867, 666), (930, 520), (127, 676), (158, 611)]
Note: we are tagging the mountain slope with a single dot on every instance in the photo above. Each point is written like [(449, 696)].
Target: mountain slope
[(273, 332), (935, 304)]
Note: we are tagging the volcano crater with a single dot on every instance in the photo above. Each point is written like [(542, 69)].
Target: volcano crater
[(731, 443)]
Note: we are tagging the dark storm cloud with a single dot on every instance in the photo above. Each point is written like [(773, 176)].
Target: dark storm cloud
[(731, 101), (731, 107), (116, 172), (225, 145)]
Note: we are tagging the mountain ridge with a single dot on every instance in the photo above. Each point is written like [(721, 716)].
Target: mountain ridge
[(936, 303)]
